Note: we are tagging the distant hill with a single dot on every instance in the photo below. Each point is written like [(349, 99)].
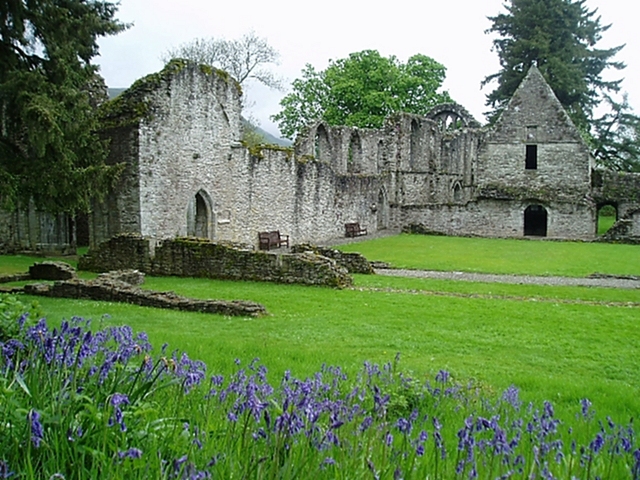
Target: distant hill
[(114, 92), (271, 139)]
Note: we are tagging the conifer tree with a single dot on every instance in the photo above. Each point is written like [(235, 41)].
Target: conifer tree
[(50, 152), (561, 38)]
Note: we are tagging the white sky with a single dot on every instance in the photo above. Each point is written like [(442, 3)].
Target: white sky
[(450, 31)]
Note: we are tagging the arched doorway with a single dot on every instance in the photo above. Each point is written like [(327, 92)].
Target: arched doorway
[(200, 216), (607, 216), (535, 221)]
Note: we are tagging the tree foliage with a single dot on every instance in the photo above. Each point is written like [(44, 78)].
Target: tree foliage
[(49, 149), (561, 37), (245, 58), (616, 137), (361, 90)]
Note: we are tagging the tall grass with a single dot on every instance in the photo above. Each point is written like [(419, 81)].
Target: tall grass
[(79, 403)]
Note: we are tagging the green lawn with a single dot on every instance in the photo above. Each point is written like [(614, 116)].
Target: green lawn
[(556, 343), (535, 257), (605, 222)]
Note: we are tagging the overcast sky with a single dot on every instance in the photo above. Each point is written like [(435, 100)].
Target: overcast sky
[(450, 31)]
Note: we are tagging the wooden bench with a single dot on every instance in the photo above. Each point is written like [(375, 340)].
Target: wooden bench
[(269, 240), (354, 230)]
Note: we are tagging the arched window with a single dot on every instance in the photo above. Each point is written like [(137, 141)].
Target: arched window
[(607, 216), (380, 156), (414, 153), (457, 192), (382, 212), (322, 147), (354, 155)]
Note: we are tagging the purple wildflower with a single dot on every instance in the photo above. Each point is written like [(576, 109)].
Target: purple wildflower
[(118, 399), (511, 396), (366, 423), (586, 405), (403, 425), (442, 376), (131, 453), (5, 472), (37, 432), (597, 443), (388, 439)]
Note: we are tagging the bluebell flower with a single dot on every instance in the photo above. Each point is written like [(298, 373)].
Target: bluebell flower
[(118, 399), (597, 443), (443, 376), (130, 453), (5, 471), (37, 432)]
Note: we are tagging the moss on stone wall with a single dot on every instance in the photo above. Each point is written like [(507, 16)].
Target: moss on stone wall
[(134, 104), (258, 150), (196, 257)]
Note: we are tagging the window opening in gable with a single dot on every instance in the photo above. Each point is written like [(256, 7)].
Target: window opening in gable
[(531, 160)]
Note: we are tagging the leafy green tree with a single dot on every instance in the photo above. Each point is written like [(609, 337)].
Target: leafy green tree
[(50, 152), (561, 37), (362, 90)]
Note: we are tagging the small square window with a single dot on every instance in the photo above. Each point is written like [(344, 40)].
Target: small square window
[(531, 160)]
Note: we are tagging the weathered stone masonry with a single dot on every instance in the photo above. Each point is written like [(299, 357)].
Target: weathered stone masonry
[(188, 173)]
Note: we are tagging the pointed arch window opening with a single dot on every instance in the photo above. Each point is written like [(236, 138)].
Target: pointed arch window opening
[(200, 216), (415, 145)]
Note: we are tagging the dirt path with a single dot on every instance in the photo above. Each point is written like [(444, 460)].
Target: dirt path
[(607, 282)]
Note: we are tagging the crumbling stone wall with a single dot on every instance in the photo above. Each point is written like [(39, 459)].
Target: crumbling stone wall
[(188, 174), (121, 252), (27, 229), (108, 289), (353, 262), (190, 257)]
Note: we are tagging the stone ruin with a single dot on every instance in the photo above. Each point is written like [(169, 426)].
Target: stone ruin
[(121, 286), (187, 173), (193, 257)]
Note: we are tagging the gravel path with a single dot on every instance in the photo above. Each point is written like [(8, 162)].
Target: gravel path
[(607, 282)]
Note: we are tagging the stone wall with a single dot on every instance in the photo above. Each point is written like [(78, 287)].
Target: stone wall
[(188, 174), (121, 252), (559, 178), (109, 290), (190, 257), (353, 262), (34, 231)]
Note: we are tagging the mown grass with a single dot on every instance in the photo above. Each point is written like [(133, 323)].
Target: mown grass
[(605, 222), (555, 343), (551, 350), (487, 255)]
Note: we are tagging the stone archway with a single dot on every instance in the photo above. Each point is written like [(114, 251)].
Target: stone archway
[(606, 216), (535, 221), (200, 216), (322, 145)]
